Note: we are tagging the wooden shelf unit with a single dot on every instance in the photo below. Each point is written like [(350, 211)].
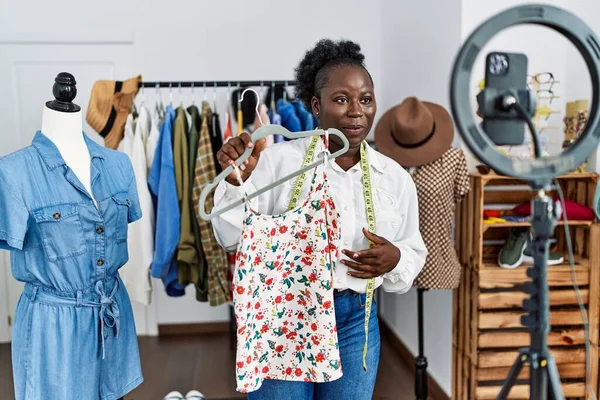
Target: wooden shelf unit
[(487, 332)]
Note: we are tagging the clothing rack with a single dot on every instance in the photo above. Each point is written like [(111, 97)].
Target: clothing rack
[(212, 84)]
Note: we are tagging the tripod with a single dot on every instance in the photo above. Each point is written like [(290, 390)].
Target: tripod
[(421, 385), (544, 381)]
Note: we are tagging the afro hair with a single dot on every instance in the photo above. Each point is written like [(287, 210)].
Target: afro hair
[(313, 71)]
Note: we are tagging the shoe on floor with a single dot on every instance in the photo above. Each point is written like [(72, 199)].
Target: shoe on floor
[(554, 258), (174, 396), (194, 395), (511, 255)]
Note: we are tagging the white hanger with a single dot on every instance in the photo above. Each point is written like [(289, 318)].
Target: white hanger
[(260, 133)]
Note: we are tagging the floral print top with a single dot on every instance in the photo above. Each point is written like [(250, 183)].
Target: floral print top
[(283, 293)]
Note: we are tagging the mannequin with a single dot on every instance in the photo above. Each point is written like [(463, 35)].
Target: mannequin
[(67, 246), (418, 135), (62, 124)]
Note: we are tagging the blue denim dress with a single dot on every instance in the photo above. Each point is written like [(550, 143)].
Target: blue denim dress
[(74, 334)]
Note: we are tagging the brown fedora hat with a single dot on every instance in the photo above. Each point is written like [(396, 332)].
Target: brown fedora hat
[(414, 132), (110, 104)]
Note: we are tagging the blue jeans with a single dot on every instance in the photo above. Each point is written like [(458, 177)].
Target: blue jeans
[(355, 384)]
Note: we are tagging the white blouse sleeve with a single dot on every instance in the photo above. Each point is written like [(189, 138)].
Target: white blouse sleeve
[(408, 239)]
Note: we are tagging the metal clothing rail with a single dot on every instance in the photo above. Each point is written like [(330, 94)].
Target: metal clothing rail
[(211, 84)]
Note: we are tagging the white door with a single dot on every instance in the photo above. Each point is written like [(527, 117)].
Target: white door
[(28, 70)]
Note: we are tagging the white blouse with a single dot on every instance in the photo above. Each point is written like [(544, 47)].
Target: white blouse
[(394, 197)]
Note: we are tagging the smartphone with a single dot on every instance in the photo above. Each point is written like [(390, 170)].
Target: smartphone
[(505, 71)]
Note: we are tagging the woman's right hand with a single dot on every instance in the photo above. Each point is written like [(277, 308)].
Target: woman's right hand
[(233, 149)]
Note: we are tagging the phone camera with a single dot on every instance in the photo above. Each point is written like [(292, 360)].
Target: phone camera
[(498, 64)]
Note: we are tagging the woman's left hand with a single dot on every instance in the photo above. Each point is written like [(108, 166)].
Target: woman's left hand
[(373, 262)]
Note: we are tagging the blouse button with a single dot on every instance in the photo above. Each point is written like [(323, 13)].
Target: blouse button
[(99, 230), (56, 215), (128, 202), (100, 262)]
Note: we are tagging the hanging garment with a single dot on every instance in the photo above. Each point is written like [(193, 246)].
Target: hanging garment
[(228, 134), (440, 184), (140, 241), (126, 143), (216, 139), (201, 285), (187, 256), (152, 141), (168, 217), (74, 333), (216, 260), (275, 120), (289, 118), (306, 117), (283, 291)]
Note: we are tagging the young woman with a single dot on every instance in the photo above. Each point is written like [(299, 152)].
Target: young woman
[(333, 82)]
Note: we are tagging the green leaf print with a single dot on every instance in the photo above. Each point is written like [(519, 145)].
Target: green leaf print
[(271, 344)]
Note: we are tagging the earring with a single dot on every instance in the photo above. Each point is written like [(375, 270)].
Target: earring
[(317, 113)]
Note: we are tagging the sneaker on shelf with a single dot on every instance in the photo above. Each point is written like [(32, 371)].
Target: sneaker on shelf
[(174, 396), (511, 255), (194, 395), (554, 258)]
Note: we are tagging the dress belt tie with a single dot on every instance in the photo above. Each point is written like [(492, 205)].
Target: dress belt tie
[(109, 309)]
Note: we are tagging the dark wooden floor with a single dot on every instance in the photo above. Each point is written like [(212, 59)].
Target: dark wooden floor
[(205, 363)]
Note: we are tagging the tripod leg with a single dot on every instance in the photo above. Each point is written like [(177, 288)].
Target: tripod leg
[(513, 374), (421, 386), (554, 386)]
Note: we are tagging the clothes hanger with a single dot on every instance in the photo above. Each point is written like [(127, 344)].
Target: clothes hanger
[(159, 107), (260, 133)]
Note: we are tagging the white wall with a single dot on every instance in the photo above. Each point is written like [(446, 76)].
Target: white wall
[(579, 84), (191, 40), (417, 57)]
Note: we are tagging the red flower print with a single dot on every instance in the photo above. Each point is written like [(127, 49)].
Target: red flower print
[(269, 281), (327, 305), (265, 369), (320, 357), (305, 260), (278, 299), (279, 348), (283, 229), (260, 316), (240, 290), (288, 371), (302, 235), (300, 315), (289, 297), (313, 326), (298, 372), (284, 330), (291, 335), (257, 305), (308, 249), (312, 278), (251, 234), (322, 204), (240, 364), (334, 223), (264, 329), (248, 360), (273, 231)]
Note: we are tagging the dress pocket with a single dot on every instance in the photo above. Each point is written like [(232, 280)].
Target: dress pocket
[(61, 231), (122, 218)]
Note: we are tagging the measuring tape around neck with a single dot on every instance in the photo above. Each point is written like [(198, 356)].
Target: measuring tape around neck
[(368, 195)]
